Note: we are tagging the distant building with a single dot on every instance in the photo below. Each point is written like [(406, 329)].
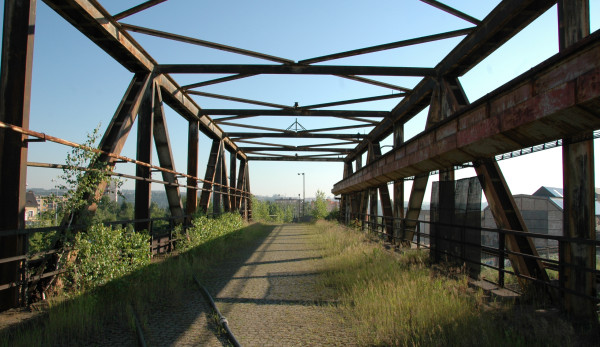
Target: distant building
[(31, 207), (542, 213)]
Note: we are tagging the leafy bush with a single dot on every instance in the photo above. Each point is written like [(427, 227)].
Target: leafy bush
[(102, 254), (204, 229)]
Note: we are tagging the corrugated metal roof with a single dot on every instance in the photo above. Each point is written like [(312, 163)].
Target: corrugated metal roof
[(559, 202)]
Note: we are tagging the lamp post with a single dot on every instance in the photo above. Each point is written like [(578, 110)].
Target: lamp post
[(298, 217), (303, 191)]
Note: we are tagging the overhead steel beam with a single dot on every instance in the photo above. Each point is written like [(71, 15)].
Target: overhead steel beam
[(232, 98), (374, 82), (452, 11), (216, 81), (15, 91), (191, 40), (295, 149), (354, 101), (248, 135), (91, 19), (556, 99), (137, 9), (499, 26), (298, 158), (294, 112), (295, 69), (187, 108), (387, 46)]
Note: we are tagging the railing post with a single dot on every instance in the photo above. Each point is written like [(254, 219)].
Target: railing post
[(501, 245), (418, 235)]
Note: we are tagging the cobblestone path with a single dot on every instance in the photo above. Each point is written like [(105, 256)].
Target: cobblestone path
[(270, 297)]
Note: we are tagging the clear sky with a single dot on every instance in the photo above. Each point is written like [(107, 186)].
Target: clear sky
[(77, 86)]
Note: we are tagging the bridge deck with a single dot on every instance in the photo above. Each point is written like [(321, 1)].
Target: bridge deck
[(269, 295)]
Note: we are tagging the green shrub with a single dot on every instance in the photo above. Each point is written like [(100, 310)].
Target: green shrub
[(204, 229), (102, 254)]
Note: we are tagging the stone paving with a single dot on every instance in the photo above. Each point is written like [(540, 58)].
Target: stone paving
[(267, 293), (270, 297)]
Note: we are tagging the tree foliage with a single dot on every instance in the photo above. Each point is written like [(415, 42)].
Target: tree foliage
[(80, 186), (319, 210), (271, 212)]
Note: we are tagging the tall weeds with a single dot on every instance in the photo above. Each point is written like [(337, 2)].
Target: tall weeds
[(77, 317), (402, 301)]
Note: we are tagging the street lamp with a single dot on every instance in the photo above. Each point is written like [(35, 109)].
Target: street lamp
[(303, 196), (298, 216)]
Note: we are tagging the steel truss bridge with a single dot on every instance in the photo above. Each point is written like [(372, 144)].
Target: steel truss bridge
[(558, 100)]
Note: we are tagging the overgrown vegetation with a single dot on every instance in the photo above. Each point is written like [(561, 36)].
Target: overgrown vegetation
[(89, 308), (270, 212), (102, 254), (404, 301)]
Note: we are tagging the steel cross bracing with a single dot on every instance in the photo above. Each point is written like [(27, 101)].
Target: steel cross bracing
[(519, 114)]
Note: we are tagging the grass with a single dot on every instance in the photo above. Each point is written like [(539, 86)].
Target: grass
[(401, 300), (77, 318)]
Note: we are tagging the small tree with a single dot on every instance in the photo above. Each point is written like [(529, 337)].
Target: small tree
[(81, 186), (319, 210)]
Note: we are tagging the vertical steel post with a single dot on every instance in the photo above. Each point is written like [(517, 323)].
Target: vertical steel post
[(144, 154), (398, 184), (578, 184), (191, 204), (232, 180), (15, 92)]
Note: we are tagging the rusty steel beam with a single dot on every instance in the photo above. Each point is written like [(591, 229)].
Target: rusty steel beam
[(374, 83), (209, 176), (248, 135), (293, 148), (192, 167), (507, 216), (91, 19), (294, 112), (387, 46), (579, 186), (216, 81), (15, 91), (452, 11), (194, 41), (295, 69), (165, 155), (232, 178), (231, 98), (137, 9), (241, 180), (501, 24), (295, 158), (556, 99), (145, 129), (187, 108), (354, 101)]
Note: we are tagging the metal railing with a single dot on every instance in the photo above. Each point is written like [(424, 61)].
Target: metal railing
[(493, 256), (162, 240)]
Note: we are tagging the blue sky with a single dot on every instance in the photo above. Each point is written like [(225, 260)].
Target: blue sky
[(76, 85)]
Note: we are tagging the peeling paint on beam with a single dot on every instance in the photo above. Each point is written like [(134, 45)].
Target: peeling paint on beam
[(558, 98)]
